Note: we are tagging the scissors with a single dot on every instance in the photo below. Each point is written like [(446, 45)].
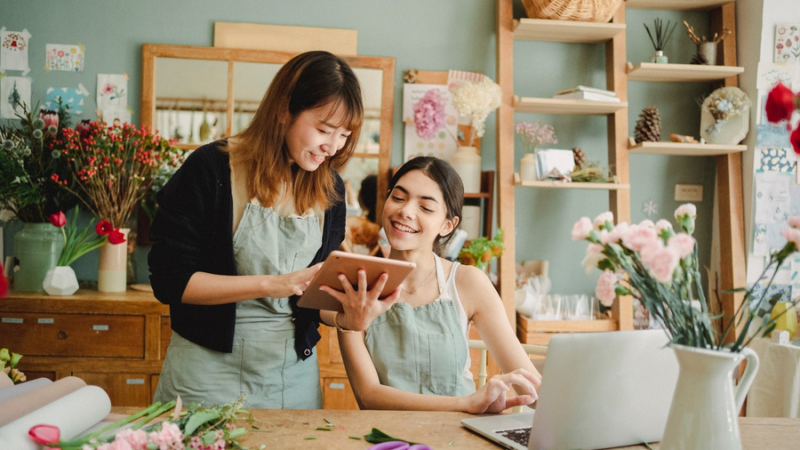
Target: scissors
[(398, 445)]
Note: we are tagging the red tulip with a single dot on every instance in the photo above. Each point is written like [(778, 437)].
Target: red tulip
[(103, 228), (794, 138), (50, 117), (3, 283), (115, 237), (58, 219), (780, 103), (45, 434), (83, 128)]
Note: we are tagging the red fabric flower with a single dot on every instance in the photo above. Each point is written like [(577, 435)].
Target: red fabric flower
[(794, 138), (115, 237), (58, 219), (103, 228), (780, 103), (3, 283), (45, 434)]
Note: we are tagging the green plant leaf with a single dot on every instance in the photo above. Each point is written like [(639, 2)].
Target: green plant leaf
[(377, 436), (199, 418)]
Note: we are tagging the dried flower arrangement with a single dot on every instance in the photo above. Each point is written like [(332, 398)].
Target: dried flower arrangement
[(477, 100)]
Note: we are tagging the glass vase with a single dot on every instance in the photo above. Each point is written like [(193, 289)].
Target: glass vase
[(36, 247)]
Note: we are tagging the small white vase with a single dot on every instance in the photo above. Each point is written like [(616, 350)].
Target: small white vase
[(60, 280), (705, 407), (467, 163), (527, 167), (112, 262)]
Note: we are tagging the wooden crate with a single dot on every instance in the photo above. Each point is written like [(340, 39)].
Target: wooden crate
[(539, 332)]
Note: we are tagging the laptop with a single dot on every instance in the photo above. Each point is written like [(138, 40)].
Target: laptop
[(598, 390)]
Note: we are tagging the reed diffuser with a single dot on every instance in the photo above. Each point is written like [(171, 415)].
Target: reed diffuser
[(659, 37)]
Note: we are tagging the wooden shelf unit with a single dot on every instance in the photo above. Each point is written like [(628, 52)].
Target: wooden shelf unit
[(566, 106), (565, 31), (680, 149), (540, 332), (676, 5), (681, 72), (568, 185)]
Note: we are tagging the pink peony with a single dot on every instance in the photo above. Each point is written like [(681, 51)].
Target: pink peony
[(617, 233), (662, 263), (601, 220), (682, 243), (684, 209), (605, 287), (429, 114), (794, 221), (638, 237), (581, 229), (792, 235)]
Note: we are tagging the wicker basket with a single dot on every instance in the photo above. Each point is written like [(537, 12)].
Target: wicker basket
[(583, 10)]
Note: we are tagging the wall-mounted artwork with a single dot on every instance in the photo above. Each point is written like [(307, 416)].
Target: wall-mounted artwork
[(14, 92), (112, 91), (70, 97), (64, 57), (431, 121), (787, 43), (14, 50)]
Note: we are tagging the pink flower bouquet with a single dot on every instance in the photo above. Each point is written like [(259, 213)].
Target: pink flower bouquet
[(658, 265)]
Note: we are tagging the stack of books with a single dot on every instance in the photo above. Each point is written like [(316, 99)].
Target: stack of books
[(587, 93)]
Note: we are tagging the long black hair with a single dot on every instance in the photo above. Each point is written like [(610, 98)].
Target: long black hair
[(449, 182)]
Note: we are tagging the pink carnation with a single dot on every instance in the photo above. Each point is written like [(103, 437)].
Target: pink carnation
[(647, 223), (794, 221), (137, 439), (686, 208), (618, 232), (662, 263), (601, 220), (638, 237), (605, 287), (169, 438), (649, 251), (429, 114), (581, 229), (662, 224), (682, 243), (593, 256), (792, 235)]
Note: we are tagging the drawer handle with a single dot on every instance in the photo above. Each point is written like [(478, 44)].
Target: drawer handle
[(134, 381), (336, 385), (45, 320), (99, 327), (12, 320), (62, 334)]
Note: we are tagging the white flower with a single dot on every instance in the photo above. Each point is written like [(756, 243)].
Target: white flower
[(477, 100), (684, 209)]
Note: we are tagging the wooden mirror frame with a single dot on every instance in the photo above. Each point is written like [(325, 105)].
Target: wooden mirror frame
[(384, 63)]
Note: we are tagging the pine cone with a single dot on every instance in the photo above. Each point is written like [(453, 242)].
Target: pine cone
[(699, 58), (648, 127), (580, 158)]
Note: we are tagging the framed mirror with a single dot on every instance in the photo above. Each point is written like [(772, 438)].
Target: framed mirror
[(200, 94)]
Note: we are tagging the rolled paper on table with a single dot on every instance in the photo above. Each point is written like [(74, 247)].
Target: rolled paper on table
[(19, 389), (72, 414), (21, 405), (5, 381)]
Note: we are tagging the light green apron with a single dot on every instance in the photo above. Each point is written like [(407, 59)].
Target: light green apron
[(423, 349), (263, 363)]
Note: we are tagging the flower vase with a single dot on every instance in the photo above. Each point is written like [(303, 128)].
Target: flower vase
[(467, 162), (36, 247), (60, 280), (112, 275), (705, 407), (659, 58), (527, 167), (709, 51)]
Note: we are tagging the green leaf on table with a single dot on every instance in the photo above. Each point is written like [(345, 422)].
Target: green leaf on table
[(378, 436), (199, 418)]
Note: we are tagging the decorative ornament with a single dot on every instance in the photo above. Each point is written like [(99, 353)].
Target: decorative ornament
[(650, 208), (410, 76), (648, 127), (580, 158)]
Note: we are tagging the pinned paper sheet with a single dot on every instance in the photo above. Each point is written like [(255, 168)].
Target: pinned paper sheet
[(769, 74), (70, 97), (776, 160), (112, 91), (64, 57), (787, 43), (14, 50), (430, 137), (117, 116), (14, 92)]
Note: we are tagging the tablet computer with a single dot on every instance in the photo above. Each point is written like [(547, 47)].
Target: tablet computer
[(349, 264)]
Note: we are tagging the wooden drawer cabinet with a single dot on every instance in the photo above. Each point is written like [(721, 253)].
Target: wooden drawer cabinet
[(113, 340), (36, 334)]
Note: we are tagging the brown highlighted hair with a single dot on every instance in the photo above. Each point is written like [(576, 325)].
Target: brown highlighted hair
[(309, 80), (449, 182)]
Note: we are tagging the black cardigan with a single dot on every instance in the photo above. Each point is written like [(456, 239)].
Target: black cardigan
[(193, 232)]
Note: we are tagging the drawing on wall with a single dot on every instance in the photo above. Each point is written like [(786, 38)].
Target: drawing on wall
[(772, 136), (431, 121), (112, 91), (787, 43), (116, 116), (64, 57), (776, 160), (70, 97), (14, 50), (776, 198), (14, 92)]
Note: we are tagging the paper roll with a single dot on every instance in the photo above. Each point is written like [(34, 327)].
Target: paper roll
[(21, 405), (5, 381), (72, 414), (19, 389)]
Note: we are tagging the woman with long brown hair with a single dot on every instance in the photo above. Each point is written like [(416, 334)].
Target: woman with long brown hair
[(239, 233)]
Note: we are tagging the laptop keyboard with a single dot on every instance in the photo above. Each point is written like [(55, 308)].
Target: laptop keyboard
[(518, 435)]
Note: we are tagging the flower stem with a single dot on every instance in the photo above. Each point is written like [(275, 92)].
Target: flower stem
[(77, 443)]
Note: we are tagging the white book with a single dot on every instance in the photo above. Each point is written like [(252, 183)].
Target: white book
[(585, 95), (587, 89)]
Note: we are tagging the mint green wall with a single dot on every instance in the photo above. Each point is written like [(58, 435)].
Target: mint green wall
[(420, 34)]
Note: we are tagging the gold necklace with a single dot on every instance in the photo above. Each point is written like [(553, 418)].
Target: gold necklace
[(433, 269)]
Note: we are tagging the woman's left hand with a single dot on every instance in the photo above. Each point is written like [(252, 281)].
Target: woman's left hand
[(362, 306), (491, 398)]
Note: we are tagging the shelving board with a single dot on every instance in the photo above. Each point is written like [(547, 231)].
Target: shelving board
[(675, 5), (681, 149), (568, 185), (476, 195), (680, 72), (565, 30), (566, 106)]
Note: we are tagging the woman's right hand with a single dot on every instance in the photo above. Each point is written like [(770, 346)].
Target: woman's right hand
[(363, 305), (491, 398), (293, 283)]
